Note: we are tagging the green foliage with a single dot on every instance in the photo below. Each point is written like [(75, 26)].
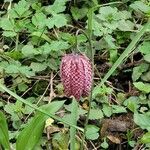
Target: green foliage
[(145, 138), (4, 138), (95, 114), (92, 132), (34, 37), (29, 137), (143, 120), (60, 141)]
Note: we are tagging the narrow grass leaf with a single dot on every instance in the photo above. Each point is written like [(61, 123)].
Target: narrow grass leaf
[(4, 137), (36, 108), (31, 134)]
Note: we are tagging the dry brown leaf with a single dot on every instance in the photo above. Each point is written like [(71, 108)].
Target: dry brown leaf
[(114, 139)]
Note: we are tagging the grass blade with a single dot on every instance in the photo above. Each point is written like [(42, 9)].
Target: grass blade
[(36, 108), (4, 137), (31, 134)]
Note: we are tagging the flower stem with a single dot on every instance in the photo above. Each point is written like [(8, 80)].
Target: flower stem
[(74, 116)]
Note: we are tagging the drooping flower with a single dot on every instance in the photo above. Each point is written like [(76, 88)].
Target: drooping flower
[(76, 75)]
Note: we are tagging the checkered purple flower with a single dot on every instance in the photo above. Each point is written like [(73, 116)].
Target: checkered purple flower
[(76, 75)]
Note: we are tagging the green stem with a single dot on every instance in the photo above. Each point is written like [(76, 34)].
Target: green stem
[(17, 42), (90, 17), (74, 116), (38, 109)]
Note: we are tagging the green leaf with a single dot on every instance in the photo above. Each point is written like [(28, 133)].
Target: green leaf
[(147, 57), (125, 54), (108, 13), (105, 144), (107, 110), (21, 7), (55, 46), (125, 25), (57, 7), (7, 24), (144, 48), (22, 87), (92, 132), (132, 103), (39, 20), (78, 13), (118, 109), (142, 120), (95, 114), (144, 87), (60, 141), (9, 33), (146, 138), (4, 137), (31, 134), (146, 76), (37, 67), (139, 5), (58, 20), (29, 50), (110, 41), (41, 35), (138, 71)]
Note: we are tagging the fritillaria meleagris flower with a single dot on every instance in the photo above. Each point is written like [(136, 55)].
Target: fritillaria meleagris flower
[(76, 75)]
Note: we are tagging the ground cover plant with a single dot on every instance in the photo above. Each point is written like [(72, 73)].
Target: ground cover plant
[(36, 113)]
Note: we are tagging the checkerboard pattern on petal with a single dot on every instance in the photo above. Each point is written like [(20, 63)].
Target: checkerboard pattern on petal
[(76, 75)]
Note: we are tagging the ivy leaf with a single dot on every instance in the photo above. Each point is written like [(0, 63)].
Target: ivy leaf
[(12, 68), (17, 68), (22, 87), (78, 13), (110, 40), (138, 71), (107, 110), (58, 20), (95, 114), (146, 76), (55, 46), (125, 25), (39, 20), (37, 67), (118, 109), (7, 24), (108, 13), (57, 7), (97, 27), (29, 51), (92, 132), (144, 48), (132, 103), (21, 7), (9, 33), (147, 57), (25, 70), (144, 87), (142, 120), (52, 63), (139, 5)]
